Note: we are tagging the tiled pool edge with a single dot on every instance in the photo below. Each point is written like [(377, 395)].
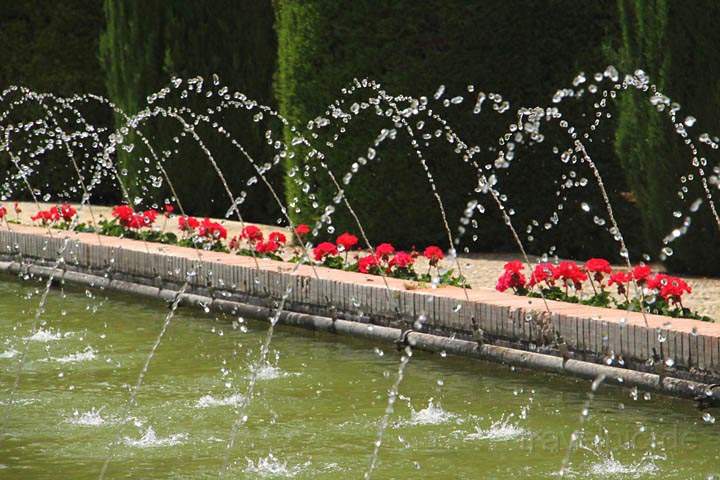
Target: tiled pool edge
[(326, 298)]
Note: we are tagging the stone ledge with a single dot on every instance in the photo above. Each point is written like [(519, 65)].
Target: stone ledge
[(588, 333)]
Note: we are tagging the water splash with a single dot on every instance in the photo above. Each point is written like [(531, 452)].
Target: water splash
[(208, 401), (84, 356), (270, 372), (499, 431), (150, 439), (48, 335), (91, 418), (609, 467), (11, 353), (433, 414), (271, 466)]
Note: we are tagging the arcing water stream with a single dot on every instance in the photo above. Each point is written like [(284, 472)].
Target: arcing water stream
[(26, 141)]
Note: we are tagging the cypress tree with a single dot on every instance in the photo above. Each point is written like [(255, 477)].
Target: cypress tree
[(670, 41)]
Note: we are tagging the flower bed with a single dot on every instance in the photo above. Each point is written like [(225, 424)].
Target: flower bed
[(206, 234), (639, 289)]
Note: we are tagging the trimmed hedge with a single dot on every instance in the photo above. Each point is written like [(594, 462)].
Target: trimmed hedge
[(146, 43), (412, 47), (670, 41)]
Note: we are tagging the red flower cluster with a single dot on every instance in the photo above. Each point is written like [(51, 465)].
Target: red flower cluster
[(543, 272), (382, 260), (346, 241), (251, 241), (512, 277), (384, 250), (3, 212), (169, 209), (670, 288), (188, 224), (570, 273), (64, 212), (256, 241), (211, 230), (129, 218), (205, 228), (302, 230), (434, 254), (369, 264), (402, 260), (252, 234), (324, 250)]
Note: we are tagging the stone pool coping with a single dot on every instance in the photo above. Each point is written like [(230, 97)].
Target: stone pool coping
[(480, 317)]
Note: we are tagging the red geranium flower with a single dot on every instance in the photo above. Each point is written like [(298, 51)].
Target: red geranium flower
[(368, 264), (346, 241), (598, 265), (3, 212), (270, 246), (46, 216), (655, 282), (210, 229), (514, 266), (621, 279), (670, 288), (570, 272), (543, 272), (136, 221), (434, 254), (510, 279), (252, 234), (123, 213), (149, 216), (384, 250), (188, 224), (674, 289), (641, 273), (66, 211), (277, 237), (302, 229), (401, 260), (323, 250), (169, 209), (39, 216), (234, 243)]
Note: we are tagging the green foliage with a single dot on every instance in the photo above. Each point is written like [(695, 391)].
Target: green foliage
[(148, 42), (112, 228), (669, 40), (411, 48)]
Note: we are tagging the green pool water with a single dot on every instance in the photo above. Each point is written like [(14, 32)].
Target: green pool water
[(316, 406)]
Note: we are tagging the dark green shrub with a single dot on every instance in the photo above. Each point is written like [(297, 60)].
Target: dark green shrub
[(523, 52), (148, 42)]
